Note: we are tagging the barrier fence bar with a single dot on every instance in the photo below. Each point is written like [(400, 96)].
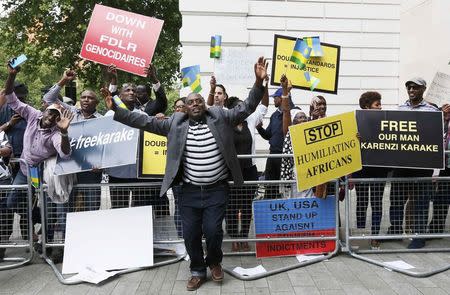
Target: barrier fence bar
[(98, 196), (333, 190), (16, 201), (400, 211)]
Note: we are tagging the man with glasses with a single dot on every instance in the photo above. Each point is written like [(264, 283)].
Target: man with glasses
[(417, 192)]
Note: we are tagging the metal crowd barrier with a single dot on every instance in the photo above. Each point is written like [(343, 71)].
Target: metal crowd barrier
[(16, 228), (239, 231), (394, 215), (88, 197)]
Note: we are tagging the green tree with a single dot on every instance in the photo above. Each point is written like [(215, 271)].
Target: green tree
[(51, 32)]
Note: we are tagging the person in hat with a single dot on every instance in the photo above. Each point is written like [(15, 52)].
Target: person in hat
[(418, 192), (45, 134)]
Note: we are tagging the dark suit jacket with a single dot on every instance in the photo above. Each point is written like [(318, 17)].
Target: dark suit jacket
[(220, 121)]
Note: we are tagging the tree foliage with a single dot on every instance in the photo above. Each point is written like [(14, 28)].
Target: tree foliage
[(51, 32)]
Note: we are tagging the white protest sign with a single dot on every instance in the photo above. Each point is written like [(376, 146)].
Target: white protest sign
[(439, 90), (235, 66), (108, 239)]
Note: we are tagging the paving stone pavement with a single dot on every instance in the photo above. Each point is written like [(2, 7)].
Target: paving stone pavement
[(341, 274)]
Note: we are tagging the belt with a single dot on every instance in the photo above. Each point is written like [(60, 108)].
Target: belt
[(203, 187)]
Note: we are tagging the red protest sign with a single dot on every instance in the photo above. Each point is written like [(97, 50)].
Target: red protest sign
[(122, 38)]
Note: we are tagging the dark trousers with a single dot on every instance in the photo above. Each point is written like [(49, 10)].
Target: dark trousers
[(241, 199), (202, 212), (362, 202), (272, 172), (441, 202), (419, 192), (176, 189)]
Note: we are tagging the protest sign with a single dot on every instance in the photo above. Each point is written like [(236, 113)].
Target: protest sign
[(325, 68), (108, 239), (304, 217), (401, 139), (325, 149), (439, 90), (233, 66), (122, 38), (99, 143), (152, 155)]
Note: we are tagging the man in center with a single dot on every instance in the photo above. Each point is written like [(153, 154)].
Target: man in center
[(201, 156)]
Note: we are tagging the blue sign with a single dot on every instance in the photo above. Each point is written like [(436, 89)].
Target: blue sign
[(287, 216)]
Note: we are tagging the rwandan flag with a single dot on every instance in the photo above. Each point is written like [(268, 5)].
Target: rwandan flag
[(216, 46), (314, 43), (313, 81), (119, 102), (191, 77), (301, 53), (34, 176)]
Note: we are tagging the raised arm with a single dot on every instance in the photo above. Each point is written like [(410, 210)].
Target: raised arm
[(52, 95), (135, 119), (285, 107), (160, 103), (212, 91), (24, 110)]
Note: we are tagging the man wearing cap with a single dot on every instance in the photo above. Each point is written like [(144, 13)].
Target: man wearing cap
[(274, 134), (418, 192), (86, 111), (45, 134)]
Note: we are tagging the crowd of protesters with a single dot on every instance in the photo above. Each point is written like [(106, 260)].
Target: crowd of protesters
[(204, 139)]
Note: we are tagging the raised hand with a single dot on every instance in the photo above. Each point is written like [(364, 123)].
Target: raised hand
[(12, 71), (112, 72), (212, 84), (107, 97), (286, 85), (150, 71), (261, 69), (69, 75), (64, 121)]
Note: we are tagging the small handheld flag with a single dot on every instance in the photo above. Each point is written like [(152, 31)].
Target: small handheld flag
[(314, 43), (191, 77), (216, 46), (313, 81), (34, 176), (300, 54)]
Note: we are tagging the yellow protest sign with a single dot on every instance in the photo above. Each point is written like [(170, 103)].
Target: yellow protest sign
[(152, 155), (325, 149), (325, 68)]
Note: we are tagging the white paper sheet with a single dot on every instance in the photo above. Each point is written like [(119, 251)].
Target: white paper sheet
[(108, 239), (399, 264), (92, 275), (249, 271), (303, 258)]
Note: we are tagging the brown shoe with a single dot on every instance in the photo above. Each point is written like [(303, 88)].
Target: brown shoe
[(194, 283), (235, 247), (216, 272)]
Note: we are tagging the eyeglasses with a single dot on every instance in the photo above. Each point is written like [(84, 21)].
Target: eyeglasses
[(181, 106)]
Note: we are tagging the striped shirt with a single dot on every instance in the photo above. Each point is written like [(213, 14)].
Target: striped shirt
[(203, 162)]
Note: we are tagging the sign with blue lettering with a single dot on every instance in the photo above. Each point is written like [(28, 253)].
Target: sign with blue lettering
[(303, 217)]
